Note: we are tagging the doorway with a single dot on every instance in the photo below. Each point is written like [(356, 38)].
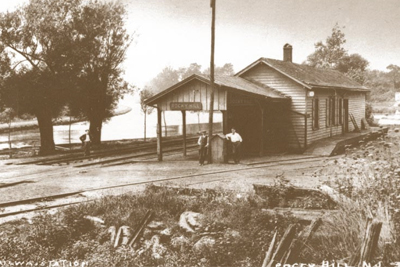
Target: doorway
[(247, 122)]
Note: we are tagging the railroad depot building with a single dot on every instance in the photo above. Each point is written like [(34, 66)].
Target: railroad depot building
[(275, 105)]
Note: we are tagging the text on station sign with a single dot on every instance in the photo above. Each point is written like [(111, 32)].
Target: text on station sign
[(186, 106)]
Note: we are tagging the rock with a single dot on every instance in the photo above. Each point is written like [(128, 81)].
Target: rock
[(123, 236), (156, 225), (147, 233), (166, 232), (179, 242), (112, 231), (126, 234), (229, 233), (157, 249), (191, 221), (96, 220), (205, 241)]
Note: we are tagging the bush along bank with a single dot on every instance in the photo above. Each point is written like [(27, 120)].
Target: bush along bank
[(186, 227)]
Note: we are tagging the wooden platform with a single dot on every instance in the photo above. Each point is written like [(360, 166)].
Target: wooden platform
[(336, 145)]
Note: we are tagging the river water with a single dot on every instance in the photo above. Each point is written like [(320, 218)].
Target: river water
[(126, 126)]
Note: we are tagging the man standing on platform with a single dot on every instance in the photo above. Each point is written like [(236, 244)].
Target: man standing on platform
[(203, 144), (236, 141)]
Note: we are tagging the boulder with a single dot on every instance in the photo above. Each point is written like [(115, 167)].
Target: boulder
[(191, 221), (179, 242), (205, 241), (156, 225)]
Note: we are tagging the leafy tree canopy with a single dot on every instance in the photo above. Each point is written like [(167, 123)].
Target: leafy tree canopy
[(332, 55), (169, 76)]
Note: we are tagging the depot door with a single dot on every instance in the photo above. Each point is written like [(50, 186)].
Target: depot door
[(247, 122)]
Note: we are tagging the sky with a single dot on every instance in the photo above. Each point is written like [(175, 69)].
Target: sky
[(177, 33)]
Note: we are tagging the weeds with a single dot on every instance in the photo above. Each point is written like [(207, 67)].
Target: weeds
[(240, 230), (369, 176)]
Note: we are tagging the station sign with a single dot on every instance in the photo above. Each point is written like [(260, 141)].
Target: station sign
[(186, 106)]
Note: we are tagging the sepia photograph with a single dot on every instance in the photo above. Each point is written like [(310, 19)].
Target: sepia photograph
[(212, 133)]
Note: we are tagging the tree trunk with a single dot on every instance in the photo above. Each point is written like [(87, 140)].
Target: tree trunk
[(145, 117), (69, 132), (95, 129), (46, 132)]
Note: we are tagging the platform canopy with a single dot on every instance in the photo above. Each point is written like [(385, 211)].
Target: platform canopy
[(193, 93)]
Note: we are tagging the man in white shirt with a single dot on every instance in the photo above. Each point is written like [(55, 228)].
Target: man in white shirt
[(236, 141)]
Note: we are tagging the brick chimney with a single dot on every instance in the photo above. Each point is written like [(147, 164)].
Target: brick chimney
[(287, 52)]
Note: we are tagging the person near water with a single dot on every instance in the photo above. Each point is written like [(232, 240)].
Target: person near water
[(86, 140)]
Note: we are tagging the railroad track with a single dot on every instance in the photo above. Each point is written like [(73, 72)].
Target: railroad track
[(21, 207), (76, 156)]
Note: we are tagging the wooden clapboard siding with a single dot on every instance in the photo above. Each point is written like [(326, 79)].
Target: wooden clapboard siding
[(196, 91), (270, 77), (356, 107)]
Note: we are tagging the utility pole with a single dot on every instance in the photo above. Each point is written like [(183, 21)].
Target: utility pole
[(211, 111)]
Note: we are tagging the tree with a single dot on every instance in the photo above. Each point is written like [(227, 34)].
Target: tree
[(328, 54), (394, 71), (332, 55), (354, 66), (381, 84), (194, 68), (353, 61), (169, 76), (39, 40), (104, 41), (166, 78), (225, 70), (144, 94)]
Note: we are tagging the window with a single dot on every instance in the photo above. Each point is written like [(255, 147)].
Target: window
[(315, 113), (333, 111)]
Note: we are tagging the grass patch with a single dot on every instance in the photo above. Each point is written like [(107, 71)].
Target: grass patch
[(240, 230)]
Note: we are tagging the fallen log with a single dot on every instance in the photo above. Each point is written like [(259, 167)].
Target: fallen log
[(307, 215), (283, 245), (141, 227), (299, 244), (268, 255)]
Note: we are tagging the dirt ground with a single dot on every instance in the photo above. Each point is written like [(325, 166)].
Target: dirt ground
[(18, 182)]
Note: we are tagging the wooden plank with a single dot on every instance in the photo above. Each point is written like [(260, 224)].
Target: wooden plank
[(159, 134), (142, 225), (184, 131), (283, 245), (268, 255), (356, 128)]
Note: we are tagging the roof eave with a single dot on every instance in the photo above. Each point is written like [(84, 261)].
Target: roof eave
[(327, 87)]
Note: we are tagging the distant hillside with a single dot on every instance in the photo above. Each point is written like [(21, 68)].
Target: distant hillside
[(382, 85)]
